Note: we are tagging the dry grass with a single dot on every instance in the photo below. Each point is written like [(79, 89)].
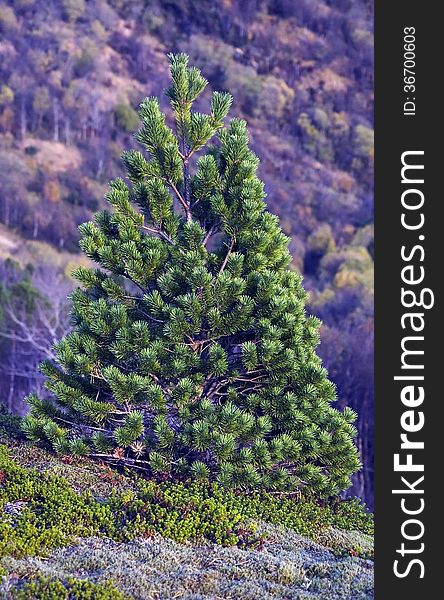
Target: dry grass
[(54, 156)]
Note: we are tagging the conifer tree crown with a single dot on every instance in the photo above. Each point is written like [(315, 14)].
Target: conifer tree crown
[(191, 353)]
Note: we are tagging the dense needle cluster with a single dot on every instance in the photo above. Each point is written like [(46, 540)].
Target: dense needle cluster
[(191, 353)]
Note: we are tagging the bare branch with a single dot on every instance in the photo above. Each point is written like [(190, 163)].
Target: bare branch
[(230, 250), (159, 232), (214, 229), (181, 199)]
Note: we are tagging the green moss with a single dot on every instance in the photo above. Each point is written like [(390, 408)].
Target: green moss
[(82, 474), (10, 426), (72, 589), (40, 511), (353, 512), (306, 516)]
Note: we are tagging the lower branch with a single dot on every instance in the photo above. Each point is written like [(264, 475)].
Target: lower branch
[(230, 250)]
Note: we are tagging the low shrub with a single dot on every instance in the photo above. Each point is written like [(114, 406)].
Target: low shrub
[(72, 589), (40, 511), (10, 427)]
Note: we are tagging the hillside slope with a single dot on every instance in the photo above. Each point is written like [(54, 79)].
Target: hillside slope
[(72, 74)]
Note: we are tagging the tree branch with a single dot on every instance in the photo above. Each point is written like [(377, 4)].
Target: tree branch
[(157, 231), (181, 199), (213, 229), (230, 250)]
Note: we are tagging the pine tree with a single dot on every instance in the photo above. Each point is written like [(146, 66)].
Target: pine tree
[(191, 353)]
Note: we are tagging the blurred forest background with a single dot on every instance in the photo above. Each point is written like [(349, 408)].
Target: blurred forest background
[(72, 73)]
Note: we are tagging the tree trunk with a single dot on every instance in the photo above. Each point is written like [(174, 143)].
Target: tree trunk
[(99, 168), (23, 126), (55, 108), (35, 230), (12, 378), (40, 121), (7, 211), (67, 131)]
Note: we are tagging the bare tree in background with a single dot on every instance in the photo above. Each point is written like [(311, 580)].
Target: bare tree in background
[(347, 351), (34, 316)]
